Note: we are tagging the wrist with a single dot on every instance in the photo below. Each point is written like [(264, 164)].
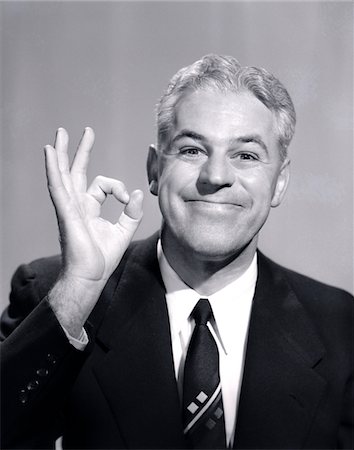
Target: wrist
[(72, 300)]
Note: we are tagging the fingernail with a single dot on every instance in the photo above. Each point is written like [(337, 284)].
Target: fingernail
[(138, 192)]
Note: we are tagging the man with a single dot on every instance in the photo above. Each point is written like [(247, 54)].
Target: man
[(191, 338)]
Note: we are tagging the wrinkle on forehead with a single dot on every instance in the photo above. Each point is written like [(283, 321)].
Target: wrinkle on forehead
[(224, 117)]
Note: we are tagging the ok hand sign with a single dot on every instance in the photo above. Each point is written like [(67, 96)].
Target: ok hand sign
[(91, 246)]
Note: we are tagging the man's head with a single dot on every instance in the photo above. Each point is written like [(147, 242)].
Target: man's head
[(221, 162), (225, 74)]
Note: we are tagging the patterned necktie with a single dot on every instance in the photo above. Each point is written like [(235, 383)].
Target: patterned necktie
[(203, 415)]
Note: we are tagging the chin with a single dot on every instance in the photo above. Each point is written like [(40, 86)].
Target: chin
[(213, 247), (207, 241)]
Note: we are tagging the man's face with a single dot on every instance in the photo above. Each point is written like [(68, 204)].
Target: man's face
[(220, 173)]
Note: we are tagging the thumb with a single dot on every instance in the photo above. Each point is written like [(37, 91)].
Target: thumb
[(133, 211)]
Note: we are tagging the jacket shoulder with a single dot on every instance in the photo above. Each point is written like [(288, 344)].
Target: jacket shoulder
[(325, 304), (307, 285), (29, 285), (40, 274)]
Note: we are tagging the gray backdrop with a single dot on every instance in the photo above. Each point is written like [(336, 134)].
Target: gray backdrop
[(105, 65)]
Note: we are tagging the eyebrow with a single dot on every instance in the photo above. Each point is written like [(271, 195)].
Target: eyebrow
[(249, 138), (189, 134)]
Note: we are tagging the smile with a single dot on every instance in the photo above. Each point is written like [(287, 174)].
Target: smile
[(213, 205)]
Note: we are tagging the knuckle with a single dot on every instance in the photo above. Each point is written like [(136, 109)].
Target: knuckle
[(100, 179), (119, 184)]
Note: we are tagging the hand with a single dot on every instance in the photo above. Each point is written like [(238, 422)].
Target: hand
[(91, 246)]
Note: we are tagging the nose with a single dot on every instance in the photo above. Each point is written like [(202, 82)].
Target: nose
[(216, 173)]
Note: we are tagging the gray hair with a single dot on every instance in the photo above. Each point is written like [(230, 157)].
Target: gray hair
[(224, 73)]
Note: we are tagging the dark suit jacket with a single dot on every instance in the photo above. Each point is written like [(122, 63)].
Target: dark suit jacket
[(121, 391)]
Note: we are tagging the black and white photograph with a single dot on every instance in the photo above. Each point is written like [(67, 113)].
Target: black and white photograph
[(177, 224)]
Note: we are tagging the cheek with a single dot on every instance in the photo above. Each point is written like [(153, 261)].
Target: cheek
[(259, 186), (169, 192), (175, 176)]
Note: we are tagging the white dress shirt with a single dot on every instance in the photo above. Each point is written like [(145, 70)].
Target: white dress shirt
[(232, 308)]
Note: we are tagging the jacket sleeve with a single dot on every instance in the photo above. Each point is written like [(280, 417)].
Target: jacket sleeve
[(38, 366)]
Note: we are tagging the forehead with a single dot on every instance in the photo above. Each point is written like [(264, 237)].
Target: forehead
[(224, 115)]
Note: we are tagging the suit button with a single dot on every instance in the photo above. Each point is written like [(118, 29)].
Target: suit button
[(51, 358), (42, 372), (23, 396), (32, 385)]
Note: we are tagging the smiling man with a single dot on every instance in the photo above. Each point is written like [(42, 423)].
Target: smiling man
[(216, 177), (191, 338)]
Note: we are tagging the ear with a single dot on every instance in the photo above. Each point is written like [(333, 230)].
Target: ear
[(152, 169), (282, 184)]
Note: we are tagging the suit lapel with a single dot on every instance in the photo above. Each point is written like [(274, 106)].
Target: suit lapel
[(280, 389), (137, 374)]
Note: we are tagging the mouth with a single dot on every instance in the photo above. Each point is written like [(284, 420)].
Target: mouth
[(213, 205)]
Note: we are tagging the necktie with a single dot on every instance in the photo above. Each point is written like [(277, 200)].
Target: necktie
[(203, 414)]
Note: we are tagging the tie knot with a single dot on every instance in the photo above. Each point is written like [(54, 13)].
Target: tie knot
[(202, 312)]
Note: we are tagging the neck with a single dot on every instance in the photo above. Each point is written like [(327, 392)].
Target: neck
[(203, 273)]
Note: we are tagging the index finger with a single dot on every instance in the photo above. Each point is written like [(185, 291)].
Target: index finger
[(81, 160)]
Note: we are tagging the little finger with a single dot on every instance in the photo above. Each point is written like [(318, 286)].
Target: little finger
[(56, 187), (81, 160), (61, 147)]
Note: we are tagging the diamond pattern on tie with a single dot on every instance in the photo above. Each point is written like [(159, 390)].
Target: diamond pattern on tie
[(204, 427), (210, 424), (218, 413), (202, 397), (192, 407)]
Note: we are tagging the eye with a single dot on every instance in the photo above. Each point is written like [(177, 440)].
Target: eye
[(246, 156), (191, 152)]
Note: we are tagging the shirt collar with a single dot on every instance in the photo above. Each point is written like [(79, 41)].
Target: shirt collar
[(231, 301)]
